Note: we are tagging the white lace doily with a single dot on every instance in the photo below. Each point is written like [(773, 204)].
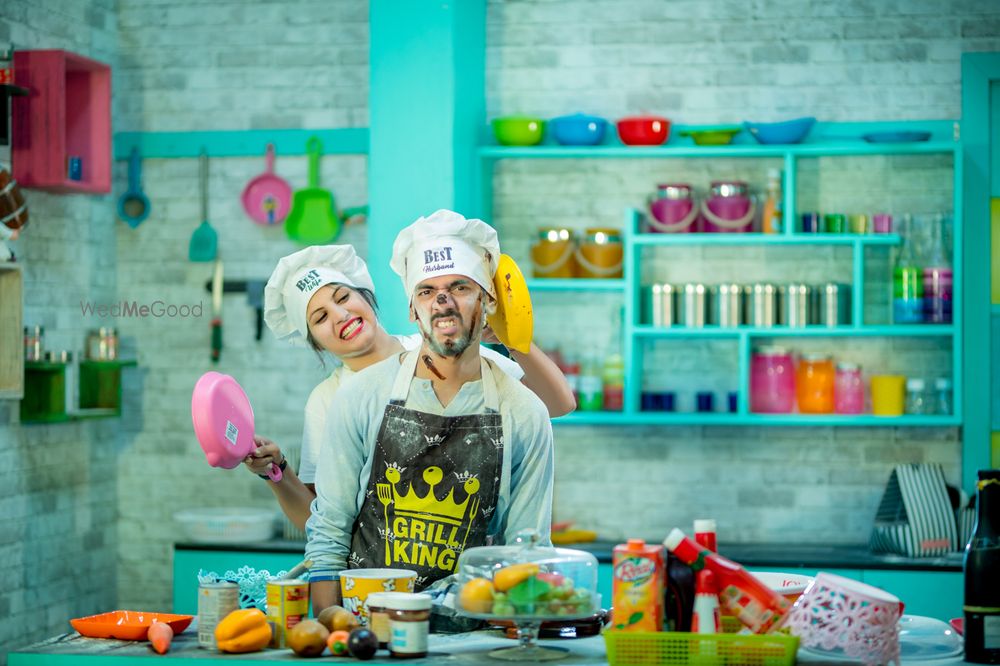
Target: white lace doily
[(253, 584)]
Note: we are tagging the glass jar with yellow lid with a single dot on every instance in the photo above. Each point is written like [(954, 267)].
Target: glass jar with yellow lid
[(553, 254), (600, 253)]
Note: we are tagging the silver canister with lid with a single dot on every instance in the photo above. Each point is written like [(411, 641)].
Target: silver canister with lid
[(659, 304), (795, 304), (832, 304), (727, 305), (693, 305), (762, 305)]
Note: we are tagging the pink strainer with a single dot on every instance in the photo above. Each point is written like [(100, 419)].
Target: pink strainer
[(223, 421)]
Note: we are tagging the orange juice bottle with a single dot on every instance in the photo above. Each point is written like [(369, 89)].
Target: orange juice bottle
[(637, 586)]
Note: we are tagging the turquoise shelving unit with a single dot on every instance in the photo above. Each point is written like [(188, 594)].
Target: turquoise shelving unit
[(826, 140)]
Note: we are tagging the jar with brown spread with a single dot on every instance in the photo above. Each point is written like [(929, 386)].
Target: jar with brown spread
[(378, 616), (409, 622)]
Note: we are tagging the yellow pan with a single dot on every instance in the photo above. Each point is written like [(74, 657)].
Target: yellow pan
[(513, 322)]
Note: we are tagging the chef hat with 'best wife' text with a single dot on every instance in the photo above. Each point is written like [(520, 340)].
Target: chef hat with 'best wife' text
[(445, 243), (297, 277)]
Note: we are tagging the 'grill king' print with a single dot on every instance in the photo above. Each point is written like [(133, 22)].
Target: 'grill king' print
[(432, 492)]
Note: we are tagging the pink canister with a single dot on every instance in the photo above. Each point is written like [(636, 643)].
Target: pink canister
[(728, 208), (672, 209), (772, 381)]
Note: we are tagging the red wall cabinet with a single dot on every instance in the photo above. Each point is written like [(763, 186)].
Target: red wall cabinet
[(64, 122)]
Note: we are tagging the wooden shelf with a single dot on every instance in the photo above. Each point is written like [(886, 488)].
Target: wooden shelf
[(66, 114), (11, 332)]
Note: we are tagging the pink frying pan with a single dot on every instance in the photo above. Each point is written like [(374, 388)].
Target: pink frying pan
[(223, 421), (268, 197)]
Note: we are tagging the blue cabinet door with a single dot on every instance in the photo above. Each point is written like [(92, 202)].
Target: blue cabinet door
[(188, 562), (936, 594)]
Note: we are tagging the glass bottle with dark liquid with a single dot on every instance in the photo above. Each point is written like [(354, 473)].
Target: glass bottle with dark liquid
[(982, 575)]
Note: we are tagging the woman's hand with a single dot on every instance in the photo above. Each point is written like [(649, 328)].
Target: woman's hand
[(262, 457)]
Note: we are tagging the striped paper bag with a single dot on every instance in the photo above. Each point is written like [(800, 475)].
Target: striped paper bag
[(915, 517)]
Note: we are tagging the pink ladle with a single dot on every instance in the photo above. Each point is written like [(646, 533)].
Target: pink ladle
[(223, 422)]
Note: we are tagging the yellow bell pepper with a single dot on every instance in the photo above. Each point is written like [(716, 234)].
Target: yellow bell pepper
[(244, 630)]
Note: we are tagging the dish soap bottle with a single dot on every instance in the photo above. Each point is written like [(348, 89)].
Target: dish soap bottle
[(907, 289), (982, 584), (771, 218)]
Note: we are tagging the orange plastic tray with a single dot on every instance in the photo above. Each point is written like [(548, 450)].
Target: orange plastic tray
[(127, 625)]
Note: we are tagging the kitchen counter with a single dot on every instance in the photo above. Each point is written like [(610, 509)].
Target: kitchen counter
[(460, 649), (749, 555)]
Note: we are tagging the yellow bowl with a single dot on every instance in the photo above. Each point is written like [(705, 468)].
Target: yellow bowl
[(357, 584)]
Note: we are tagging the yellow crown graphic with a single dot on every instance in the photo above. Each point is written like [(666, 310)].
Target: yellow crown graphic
[(428, 506)]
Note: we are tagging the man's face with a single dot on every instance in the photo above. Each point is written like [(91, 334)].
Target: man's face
[(449, 312)]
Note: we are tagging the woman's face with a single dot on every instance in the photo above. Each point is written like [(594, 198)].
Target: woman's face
[(341, 321)]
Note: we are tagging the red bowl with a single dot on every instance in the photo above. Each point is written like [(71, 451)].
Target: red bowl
[(643, 130)]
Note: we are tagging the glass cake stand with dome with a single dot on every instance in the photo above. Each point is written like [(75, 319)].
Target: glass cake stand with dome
[(527, 584)]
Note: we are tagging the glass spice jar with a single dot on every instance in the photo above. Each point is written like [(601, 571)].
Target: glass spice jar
[(814, 384), (849, 389), (409, 622)]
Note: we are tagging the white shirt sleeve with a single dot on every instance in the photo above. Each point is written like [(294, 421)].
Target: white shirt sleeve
[(338, 483), (314, 427)]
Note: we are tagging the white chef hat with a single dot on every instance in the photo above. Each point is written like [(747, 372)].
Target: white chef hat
[(297, 277), (445, 243)]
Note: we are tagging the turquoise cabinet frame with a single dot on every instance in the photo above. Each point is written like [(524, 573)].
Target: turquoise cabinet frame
[(187, 563), (827, 139), (981, 150)]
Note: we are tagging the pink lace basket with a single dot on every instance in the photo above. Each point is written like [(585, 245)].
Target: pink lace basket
[(846, 618)]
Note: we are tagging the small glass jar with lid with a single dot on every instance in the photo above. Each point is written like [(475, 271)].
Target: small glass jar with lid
[(814, 383), (409, 622), (772, 380), (600, 254), (942, 396), (915, 402), (554, 253), (527, 583), (849, 389)]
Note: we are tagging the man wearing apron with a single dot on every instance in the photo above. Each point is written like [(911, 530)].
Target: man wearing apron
[(435, 450)]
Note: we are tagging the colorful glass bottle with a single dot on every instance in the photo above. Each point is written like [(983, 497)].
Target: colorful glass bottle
[(907, 290), (982, 584), (937, 278)]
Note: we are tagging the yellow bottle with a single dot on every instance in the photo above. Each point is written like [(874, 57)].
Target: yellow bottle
[(771, 218)]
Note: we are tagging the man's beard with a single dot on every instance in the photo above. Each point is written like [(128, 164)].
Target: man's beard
[(454, 347)]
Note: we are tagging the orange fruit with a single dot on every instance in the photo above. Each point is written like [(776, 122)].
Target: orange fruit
[(337, 642), (508, 577), (476, 596)]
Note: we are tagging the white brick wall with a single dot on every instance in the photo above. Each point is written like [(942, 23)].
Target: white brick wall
[(182, 65), (58, 486)]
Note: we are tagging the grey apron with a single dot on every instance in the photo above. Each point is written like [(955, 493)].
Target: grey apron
[(434, 484)]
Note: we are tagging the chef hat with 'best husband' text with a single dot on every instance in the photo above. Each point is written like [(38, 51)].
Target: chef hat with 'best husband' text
[(297, 277), (446, 243)]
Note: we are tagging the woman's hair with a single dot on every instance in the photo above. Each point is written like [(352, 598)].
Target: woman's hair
[(366, 294)]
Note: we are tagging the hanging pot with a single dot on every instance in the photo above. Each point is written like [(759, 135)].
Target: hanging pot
[(267, 198), (133, 206)]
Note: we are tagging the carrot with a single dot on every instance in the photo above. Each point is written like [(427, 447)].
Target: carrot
[(160, 634)]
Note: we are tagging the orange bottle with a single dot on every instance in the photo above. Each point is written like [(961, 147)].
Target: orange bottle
[(637, 586)]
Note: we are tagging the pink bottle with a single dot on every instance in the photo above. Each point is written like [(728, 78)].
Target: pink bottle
[(728, 208), (772, 381), (849, 389)]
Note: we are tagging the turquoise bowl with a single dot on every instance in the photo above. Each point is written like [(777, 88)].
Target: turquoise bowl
[(519, 130)]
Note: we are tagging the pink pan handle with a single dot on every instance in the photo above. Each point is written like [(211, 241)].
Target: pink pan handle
[(274, 473)]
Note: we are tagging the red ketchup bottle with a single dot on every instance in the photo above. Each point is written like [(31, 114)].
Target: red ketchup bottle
[(758, 607), (707, 619)]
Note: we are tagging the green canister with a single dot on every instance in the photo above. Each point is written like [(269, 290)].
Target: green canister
[(835, 223)]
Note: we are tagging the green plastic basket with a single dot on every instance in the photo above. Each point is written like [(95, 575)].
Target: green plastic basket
[(634, 648)]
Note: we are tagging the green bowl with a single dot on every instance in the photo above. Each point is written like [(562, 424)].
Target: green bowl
[(712, 136), (518, 130)]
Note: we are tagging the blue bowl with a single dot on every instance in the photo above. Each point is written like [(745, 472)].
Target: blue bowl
[(789, 131), (578, 129)]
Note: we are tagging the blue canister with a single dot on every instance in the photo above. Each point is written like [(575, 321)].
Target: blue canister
[(706, 401), (810, 223), (74, 167), (733, 399), (657, 401)]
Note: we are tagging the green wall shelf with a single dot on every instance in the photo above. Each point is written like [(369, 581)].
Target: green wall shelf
[(45, 391), (826, 140)]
